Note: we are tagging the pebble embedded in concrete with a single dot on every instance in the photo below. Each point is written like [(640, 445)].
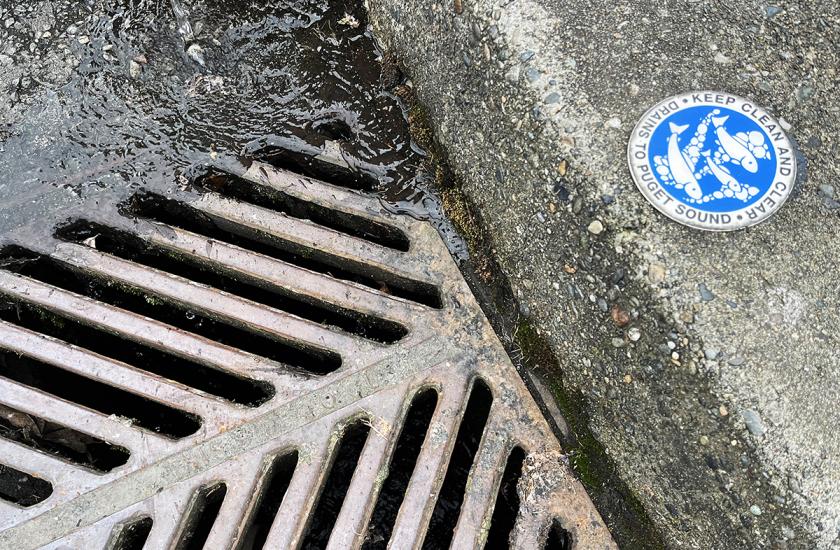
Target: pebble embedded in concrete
[(512, 75), (706, 295), (656, 273), (753, 422), (134, 69)]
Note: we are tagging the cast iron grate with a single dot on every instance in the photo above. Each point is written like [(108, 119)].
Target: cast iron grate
[(267, 361)]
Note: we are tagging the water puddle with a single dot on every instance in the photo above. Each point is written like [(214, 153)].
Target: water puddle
[(112, 96)]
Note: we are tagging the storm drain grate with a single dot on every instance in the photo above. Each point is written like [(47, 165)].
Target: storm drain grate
[(273, 362)]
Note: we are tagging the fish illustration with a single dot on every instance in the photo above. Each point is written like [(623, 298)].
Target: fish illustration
[(736, 150), (721, 173), (681, 168)]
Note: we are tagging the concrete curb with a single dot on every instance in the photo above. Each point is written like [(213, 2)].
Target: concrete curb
[(716, 395)]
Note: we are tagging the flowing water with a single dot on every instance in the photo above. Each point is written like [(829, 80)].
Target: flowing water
[(119, 95)]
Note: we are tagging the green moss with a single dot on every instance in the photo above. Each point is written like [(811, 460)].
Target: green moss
[(49, 317), (621, 510), (628, 523)]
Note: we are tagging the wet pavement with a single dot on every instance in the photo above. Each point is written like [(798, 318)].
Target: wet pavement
[(105, 97)]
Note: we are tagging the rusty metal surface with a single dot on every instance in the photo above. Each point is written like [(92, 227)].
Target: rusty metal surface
[(446, 349)]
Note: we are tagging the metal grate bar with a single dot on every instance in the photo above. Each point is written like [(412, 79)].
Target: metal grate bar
[(39, 404), (290, 523), (35, 463), (410, 527), (243, 218), (531, 531), (320, 192), (201, 298), (484, 479), (168, 512), (141, 329), (237, 500), (270, 272), (350, 524), (79, 539), (96, 367)]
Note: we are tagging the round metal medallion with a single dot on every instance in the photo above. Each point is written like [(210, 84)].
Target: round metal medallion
[(712, 161)]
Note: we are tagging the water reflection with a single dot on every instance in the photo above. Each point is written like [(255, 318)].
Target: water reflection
[(140, 107)]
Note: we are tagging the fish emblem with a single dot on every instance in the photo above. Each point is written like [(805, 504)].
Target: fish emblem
[(702, 169), (721, 173), (736, 148), (682, 169)]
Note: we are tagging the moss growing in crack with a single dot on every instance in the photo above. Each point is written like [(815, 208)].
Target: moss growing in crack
[(152, 300), (622, 512), (588, 458), (48, 317), (420, 128)]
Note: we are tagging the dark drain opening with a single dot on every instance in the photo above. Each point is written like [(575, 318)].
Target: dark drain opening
[(269, 497), (324, 163), (448, 506), (56, 273), (96, 395), (558, 538), (507, 503), (132, 248), (201, 517), (67, 443), (133, 535), (21, 488), (213, 381), (170, 212), (273, 199), (401, 469), (335, 488)]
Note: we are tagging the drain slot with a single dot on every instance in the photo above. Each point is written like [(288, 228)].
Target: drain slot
[(335, 488), (21, 488), (451, 495), (272, 199), (322, 163), (402, 466), (132, 248), (96, 395), (268, 499), (507, 503), (558, 538), (201, 517), (75, 447), (133, 535), (213, 381), (156, 208), (50, 271)]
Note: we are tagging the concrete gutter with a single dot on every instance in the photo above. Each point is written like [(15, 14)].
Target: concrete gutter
[(721, 417)]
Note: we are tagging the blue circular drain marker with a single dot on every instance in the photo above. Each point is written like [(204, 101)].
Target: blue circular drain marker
[(712, 161)]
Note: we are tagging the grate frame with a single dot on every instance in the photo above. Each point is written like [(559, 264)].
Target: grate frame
[(445, 348)]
